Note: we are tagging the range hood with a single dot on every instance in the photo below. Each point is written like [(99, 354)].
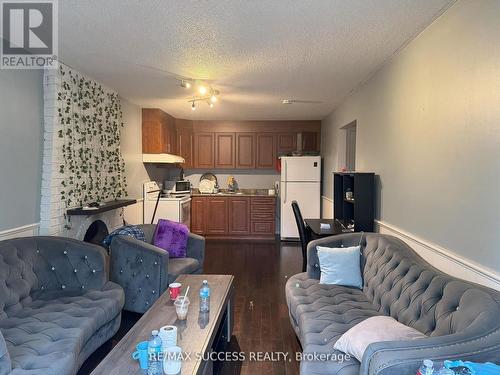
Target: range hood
[(162, 158)]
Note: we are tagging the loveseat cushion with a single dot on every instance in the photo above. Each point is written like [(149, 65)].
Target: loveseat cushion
[(179, 266), (321, 314), (49, 332)]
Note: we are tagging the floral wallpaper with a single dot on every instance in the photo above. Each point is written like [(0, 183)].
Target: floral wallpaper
[(90, 118)]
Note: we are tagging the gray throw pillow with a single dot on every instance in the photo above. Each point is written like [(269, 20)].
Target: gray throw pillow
[(340, 265), (374, 329)]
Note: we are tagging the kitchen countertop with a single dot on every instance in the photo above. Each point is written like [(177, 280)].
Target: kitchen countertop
[(238, 193)]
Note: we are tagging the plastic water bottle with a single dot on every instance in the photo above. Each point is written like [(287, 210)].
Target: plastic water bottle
[(155, 362), (427, 368), (205, 297)]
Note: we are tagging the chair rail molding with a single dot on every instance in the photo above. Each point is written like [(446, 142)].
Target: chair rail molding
[(22, 231), (442, 258)]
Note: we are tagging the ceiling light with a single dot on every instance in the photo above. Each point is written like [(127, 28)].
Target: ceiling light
[(202, 90), (185, 84), (211, 105), (193, 106), (213, 98), (287, 101)]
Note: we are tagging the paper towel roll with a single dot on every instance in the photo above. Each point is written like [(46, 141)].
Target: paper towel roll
[(168, 335)]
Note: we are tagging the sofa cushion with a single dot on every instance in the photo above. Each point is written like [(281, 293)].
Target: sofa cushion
[(374, 329), (50, 331), (179, 266), (321, 314)]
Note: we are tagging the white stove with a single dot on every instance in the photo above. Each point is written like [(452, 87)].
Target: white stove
[(170, 207)]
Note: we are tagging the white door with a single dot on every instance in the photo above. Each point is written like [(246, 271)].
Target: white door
[(307, 195), (301, 168)]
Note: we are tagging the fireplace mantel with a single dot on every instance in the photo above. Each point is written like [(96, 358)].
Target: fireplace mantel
[(107, 206)]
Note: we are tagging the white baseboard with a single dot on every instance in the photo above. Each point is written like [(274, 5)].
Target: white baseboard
[(443, 259), (326, 208), (24, 231)]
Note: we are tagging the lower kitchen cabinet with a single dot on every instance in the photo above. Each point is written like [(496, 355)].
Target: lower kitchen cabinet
[(198, 215), (239, 216), (217, 220), (234, 217)]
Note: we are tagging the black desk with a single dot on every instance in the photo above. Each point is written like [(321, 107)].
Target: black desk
[(335, 227)]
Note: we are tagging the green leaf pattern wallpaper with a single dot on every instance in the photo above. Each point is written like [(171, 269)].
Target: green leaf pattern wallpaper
[(90, 119)]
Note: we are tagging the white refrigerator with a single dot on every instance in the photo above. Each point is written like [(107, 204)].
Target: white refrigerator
[(300, 181)]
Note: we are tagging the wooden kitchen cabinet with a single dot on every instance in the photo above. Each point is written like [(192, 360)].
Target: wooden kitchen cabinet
[(158, 132), (265, 151), (286, 142), (263, 217), (185, 147), (225, 150), (245, 150), (309, 141), (239, 216), (217, 216), (204, 150), (198, 215)]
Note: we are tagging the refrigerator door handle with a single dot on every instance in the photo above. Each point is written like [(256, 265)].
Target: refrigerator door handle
[(284, 191), (286, 170)]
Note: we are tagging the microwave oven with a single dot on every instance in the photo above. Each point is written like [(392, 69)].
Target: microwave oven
[(182, 186)]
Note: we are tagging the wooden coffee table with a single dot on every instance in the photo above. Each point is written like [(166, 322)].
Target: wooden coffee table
[(191, 337)]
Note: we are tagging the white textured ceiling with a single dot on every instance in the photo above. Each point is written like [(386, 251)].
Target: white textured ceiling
[(255, 52)]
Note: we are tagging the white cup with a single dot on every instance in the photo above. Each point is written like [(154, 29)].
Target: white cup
[(172, 362)]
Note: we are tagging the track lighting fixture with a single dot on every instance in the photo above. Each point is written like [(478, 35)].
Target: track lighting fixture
[(203, 91)]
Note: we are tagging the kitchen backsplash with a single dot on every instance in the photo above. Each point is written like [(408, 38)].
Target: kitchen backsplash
[(249, 179)]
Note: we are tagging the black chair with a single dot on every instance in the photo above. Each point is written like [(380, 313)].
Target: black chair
[(304, 233)]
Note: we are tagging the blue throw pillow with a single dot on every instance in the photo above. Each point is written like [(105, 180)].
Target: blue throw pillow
[(340, 266)]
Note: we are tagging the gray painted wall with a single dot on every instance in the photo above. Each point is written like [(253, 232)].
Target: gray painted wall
[(21, 129), (429, 126)]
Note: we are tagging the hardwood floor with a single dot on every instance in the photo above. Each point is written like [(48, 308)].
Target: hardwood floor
[(261, 315), (261, 269)]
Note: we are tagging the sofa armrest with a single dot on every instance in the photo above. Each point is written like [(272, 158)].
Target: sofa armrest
[(141, 269), (196, 248), (5, 363), (64, 263), (405, 357)]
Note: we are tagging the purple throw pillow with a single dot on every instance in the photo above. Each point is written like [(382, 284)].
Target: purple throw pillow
[(171, 236)]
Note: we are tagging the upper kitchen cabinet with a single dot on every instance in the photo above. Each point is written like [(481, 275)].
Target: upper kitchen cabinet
[(204, 150), (310, 141), (286, 142), (225, 150), (245, 150), (265, 151), (158, 132), (185, 141)]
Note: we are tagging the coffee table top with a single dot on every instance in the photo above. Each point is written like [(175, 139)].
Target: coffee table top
[(190, 336)]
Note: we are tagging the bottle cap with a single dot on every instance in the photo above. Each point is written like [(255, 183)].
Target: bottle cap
[(428, 363), (205, 282), (155, 332)]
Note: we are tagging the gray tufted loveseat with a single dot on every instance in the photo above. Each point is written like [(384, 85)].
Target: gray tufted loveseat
[(144, 270), (56, 305), (461, 319)]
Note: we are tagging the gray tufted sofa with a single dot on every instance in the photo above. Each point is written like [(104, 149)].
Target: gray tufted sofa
[(56, 305), (461, 319), (144, 270)]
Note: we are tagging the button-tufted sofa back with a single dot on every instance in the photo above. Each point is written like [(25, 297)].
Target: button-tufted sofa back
[(401, 284), (34, 265)]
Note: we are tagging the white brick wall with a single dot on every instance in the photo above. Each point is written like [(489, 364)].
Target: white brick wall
[(53, 218)]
